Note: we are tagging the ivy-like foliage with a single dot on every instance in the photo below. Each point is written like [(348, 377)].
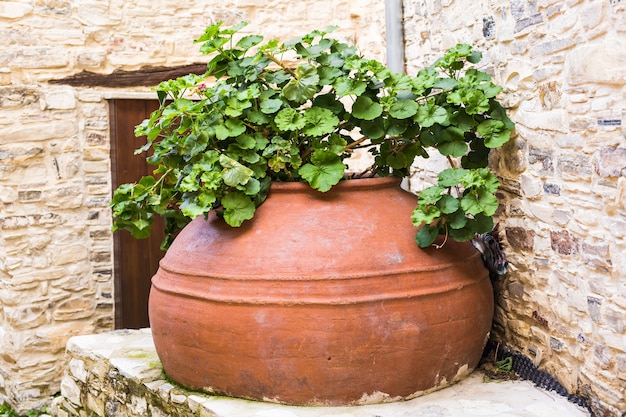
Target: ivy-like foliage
[(295, 111)]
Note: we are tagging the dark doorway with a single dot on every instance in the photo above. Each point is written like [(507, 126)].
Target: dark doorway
[(135, 261)]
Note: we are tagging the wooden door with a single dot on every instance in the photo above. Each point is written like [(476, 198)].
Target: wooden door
[(135, 261)]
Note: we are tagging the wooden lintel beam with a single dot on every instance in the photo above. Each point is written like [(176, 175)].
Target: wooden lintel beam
[(145, 76)]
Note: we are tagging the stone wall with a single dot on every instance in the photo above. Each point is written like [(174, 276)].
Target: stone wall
[(55, 183), (563, 65)]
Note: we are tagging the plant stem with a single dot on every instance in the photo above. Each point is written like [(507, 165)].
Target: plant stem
[(279, 63)]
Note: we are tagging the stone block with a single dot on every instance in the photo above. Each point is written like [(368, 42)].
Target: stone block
[(95, 404), (615, 320), (59, 98), (73, 309), (530, 187), (138, 405), (584, 123), (564, 243), (520, 238), (16, 97), (37, 57), (550, 47), (527, 22), (97, 13), (593, 306), (29, 196), (25, 317), (578, 166), (556, 344), (581, 63), (70, 197), (70, 390), (76, 367), (71, 254), (36, 132), (551, 188), (611, 162), (14, 10)]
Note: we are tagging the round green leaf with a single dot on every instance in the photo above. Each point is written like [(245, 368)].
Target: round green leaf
[(494, 132), (448, 204), (426, 236), (238, 208), (366, 109), (289, 119), (403, 109), (319, 121), (271, 105), (454, 149)]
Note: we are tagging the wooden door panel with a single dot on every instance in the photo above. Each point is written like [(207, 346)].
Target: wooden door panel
[(135, 260)]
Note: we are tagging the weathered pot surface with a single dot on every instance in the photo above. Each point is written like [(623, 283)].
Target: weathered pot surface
[(320, 299)]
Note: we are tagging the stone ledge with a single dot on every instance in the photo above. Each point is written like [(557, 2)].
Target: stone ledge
[(118, 374)]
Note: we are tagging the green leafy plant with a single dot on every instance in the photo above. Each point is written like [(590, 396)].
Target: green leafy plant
[(7, 411), (295, 111)]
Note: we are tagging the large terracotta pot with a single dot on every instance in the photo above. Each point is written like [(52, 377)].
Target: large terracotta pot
[(323, 298)]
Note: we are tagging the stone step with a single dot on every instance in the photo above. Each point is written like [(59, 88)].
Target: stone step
[(119, 374)]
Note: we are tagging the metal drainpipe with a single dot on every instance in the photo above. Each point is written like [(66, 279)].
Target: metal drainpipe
[(394, 35)]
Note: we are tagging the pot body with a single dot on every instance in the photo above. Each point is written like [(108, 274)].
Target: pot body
[(323, 298)]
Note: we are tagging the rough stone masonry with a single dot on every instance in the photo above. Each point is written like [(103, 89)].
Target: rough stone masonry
[(563, 194)]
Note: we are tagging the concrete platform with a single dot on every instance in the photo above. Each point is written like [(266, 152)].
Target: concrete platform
[(119, 374)]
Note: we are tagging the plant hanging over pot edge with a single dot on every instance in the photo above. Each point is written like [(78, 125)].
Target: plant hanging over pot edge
[(295, 111)]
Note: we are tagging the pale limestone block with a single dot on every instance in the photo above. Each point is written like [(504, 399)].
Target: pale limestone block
[(24, 317), (71, 254), (177, 398), (59, 98), (531, 187), (154, 385), (70, 390), (612, 339), (8, 194), (66, 197), (77, 369), (95, 167), (96, 154), (164, 390), (581, 65), (64, 36), (14, 10), (138, 405), (95, 404), (97, 124), (518, 75), (37, 57), (539, 335), (550, 47), (89, 95), (592, 15), (73, 309), (42, 131), (97, 13), (620, 197), (562, 217), (562, 310), (195, 401), (552, 120)]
